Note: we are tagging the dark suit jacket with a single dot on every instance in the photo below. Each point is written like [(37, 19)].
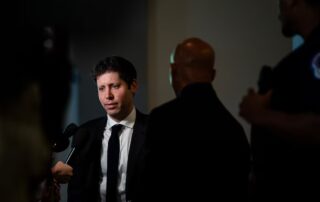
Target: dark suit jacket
[(197, 151), (84, 186)]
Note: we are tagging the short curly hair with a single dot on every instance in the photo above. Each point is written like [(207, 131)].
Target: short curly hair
[(125, 68)]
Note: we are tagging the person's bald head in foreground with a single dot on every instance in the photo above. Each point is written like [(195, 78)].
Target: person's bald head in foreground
[(192, 62)]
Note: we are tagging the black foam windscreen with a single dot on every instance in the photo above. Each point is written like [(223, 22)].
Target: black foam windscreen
[(62, 141)]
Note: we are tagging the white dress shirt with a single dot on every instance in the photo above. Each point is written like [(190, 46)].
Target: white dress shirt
[(125, 136)]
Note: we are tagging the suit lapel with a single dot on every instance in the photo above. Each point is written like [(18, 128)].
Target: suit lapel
[(136, 146)]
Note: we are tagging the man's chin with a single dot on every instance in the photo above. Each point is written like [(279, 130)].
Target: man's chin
[(113, 112)]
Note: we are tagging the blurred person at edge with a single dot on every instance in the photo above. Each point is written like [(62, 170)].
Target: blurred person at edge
[(35, 89), (286, 119)]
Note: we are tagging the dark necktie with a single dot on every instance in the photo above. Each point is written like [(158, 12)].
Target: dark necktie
[(113, 161)]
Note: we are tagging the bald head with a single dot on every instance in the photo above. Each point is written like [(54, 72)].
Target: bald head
[(194, 52), (192, 62)]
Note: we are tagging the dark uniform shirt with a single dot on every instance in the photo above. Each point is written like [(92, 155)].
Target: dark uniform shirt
[(289, 169)]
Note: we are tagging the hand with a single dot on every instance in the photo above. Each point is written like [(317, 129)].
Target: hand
[(50, 191), (253, 106), (62, 172)]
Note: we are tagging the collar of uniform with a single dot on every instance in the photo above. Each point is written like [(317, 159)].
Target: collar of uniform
[(127, 122)]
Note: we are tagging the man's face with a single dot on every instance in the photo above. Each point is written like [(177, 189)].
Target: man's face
[(115, 96)]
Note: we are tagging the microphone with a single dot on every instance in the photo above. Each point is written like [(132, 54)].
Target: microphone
[(265, 80), (62, 141), (69, 155), (78, 142)]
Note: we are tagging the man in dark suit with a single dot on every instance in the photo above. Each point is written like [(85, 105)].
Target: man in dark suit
[(197, 151), (116, 80)]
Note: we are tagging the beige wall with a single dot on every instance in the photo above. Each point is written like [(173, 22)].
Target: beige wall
[(245, 35)]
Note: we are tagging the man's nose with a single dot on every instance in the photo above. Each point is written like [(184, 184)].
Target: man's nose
[(109, 94)]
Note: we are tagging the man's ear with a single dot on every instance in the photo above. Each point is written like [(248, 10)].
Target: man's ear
[(134, 86), (174, 68)]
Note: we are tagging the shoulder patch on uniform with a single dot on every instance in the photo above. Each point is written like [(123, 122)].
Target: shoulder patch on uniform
[(315, 65)]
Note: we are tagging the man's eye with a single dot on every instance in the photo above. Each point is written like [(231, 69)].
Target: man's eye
[(101, 88), (116, 86)]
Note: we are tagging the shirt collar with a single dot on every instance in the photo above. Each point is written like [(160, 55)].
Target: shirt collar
[(127, 122)]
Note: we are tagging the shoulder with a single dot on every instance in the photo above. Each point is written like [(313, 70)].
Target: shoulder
[(141, 115), (165, 108), (89, 131), (94, 126), (141, 119), (93, 123)]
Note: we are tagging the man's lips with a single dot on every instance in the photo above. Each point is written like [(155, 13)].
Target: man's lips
[(111, 105)]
